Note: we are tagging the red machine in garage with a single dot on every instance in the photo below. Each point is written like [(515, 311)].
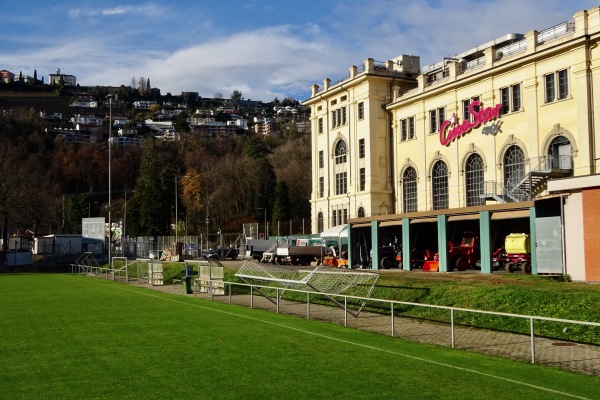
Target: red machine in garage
[(464, 255)]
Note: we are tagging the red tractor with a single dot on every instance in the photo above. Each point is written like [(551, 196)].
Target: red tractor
[(464, 255)]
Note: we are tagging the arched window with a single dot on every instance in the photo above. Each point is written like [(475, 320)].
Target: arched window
[(474, 184), (560, 154), (361, 212), (409, 190), (440, 186), (340, 152), (514, 172), (320, 222)]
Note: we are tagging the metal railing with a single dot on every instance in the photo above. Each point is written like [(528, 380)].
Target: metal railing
[(471, 64), (447, 318), (556, 31), (511, 49)]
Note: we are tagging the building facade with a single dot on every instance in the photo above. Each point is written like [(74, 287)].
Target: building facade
[(426, 154)]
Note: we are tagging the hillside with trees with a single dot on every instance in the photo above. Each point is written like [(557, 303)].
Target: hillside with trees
[(48, 186)]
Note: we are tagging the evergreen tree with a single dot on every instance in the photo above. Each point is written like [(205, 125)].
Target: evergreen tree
[(266, 181), (281, 205), (154, 192)]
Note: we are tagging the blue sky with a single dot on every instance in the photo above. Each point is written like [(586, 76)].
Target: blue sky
[(263, 48)]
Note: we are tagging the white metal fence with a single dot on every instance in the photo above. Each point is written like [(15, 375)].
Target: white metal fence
[(448, 326)]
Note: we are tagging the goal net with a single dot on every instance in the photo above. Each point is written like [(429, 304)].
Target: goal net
[(330, 282)]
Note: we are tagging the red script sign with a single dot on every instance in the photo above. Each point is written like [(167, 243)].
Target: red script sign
[(456, 130)]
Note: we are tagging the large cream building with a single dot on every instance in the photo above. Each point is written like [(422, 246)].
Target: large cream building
[(473, 145)]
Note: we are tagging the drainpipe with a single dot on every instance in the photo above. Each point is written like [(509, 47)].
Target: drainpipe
[(391, 151), (590, 101)]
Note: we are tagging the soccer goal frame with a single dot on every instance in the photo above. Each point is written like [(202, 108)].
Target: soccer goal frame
[(323, 280)]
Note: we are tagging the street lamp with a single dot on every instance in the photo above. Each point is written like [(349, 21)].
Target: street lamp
[(176, 220), (109, 97), (207, 221)]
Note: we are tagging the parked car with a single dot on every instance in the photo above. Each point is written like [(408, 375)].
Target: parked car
[(227, 253)]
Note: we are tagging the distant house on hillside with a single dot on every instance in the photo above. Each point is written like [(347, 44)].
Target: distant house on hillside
[(58, 78), (143, 104), (86, 120), (76, 136), (85, 103), (123, 141)]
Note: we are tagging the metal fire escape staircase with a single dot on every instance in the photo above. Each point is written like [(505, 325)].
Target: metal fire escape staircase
[(524, 188)]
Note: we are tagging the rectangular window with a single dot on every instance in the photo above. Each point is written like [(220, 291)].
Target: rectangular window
[(436, 118), (345, 216), (510, 98), (333, 119), (321, 186), (320, 125), (550, 88), (343, 115), (516, 97), (363, 180), (321, 159), (334, 218), (361, 110), (341, 183), (407, 128), (563, 84), (504, 100), (556, 86), (361, 148), (432, 121), (466, 107)]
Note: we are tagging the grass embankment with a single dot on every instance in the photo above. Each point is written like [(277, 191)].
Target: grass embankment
[(514, 294)]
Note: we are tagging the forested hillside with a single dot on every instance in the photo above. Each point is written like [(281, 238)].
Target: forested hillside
[(47, 186)]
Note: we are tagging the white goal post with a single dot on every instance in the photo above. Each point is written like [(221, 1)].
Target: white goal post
[(322, 279)]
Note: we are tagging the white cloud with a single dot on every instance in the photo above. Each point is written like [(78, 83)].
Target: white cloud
[(194, 48)]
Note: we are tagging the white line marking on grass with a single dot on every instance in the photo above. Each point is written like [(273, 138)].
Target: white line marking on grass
[(509, 380)]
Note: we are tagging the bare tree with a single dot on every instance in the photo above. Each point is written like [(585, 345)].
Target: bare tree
[(14, 189), (142, 85)]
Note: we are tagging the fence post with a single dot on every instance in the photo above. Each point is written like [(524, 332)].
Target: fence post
[(452, 327), (277, 294), (531, 327), (345, 311), (229, 284), (307, 305), (392, 312), (251, 297)]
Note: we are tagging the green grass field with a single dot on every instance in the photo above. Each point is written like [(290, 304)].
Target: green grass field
[(75, 337)]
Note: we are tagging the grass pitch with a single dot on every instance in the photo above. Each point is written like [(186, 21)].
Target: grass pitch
[(74, 337)]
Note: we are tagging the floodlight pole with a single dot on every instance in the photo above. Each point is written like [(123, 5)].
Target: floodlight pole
[(109, 97), (176, 219)]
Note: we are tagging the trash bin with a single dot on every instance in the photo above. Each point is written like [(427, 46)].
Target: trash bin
[(187, 285)]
